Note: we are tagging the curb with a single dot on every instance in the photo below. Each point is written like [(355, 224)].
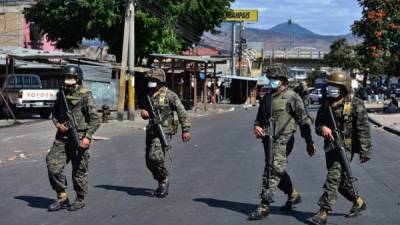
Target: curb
[(391, 130), (388, 129), (374, 122)]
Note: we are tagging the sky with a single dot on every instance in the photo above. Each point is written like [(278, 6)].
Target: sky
[(328, 17)]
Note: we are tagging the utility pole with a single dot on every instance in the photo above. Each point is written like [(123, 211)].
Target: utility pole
[(233, 52), (290, 34), (122, 78), (240, 48), (131, 62)]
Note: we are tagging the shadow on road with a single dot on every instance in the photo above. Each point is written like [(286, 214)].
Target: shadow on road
[(35, 202), (246, 208), (129, 190), (243, 208)]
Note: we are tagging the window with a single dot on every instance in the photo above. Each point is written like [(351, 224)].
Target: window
[(11, 81), (19, 82), (35, 82), (27, 81)]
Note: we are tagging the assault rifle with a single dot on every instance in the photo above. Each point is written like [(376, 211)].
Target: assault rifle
[(155, 118), (269, 131), (71, 123), (338, 145)]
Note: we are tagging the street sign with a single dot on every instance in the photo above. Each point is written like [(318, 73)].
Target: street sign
[(242, 15)]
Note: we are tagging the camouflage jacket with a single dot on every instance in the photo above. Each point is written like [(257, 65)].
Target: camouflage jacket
[(288, 109), (354, 128), (81, 104), (167, 102)]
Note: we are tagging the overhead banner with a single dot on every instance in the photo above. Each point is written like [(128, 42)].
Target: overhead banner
[(242, 15)]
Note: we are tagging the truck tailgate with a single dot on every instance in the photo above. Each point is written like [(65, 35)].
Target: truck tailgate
[(38, 95)]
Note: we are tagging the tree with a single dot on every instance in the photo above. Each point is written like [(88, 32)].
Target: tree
[(342, 55), (379, 28), (163, 26)]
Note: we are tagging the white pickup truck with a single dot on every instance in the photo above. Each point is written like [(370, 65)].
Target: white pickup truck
[(24, 92)]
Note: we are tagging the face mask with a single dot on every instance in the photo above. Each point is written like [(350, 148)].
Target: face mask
[(275, 83), (70, 82), (332, 92), (152, 84)]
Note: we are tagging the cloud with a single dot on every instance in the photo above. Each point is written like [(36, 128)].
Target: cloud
[(320, 16)]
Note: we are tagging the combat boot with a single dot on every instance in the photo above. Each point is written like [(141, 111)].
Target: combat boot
[(293, 199), (162, 190), (261, 212), (320, 218), (357, 208), (78, 204), (62, 202)]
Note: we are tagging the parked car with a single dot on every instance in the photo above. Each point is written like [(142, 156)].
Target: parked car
[(315, 96), (24, 92)]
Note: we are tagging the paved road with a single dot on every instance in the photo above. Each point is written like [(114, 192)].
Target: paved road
[(215, 179)]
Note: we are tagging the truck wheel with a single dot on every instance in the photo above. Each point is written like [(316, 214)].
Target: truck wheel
[(44, 114)]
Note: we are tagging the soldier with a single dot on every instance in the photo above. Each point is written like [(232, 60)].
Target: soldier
[(166, 101), (352, 120), (288, 109), (302, 90), (81, 104)]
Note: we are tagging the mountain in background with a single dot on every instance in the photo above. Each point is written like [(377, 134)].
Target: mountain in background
[(276, 38)]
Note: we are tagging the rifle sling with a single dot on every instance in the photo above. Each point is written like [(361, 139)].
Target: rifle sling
[(280, 132)]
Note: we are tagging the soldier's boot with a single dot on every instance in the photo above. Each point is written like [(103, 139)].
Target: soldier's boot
[(357, 208), (261, 212), (62, 202), (163, 188), (320, 218), (78, 204), (293, 200)]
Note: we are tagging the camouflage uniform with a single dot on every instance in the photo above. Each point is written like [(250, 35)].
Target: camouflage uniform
[(351, 118), (288, 110), (302, 91), (166, 101), (81, 104)]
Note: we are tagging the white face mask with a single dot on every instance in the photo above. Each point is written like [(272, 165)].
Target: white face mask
[(70, 82), (332, 91), (152, 84)]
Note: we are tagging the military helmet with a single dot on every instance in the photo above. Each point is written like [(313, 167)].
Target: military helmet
[(157, 74), (342, 79), (72, 70), (278, 70)]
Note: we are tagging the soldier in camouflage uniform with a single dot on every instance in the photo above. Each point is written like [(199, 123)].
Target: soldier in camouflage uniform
[(302, 90), (288, 109), (166, 101), (81, 104), (352, 120)]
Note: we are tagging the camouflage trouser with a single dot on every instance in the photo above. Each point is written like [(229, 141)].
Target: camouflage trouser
[(279, 177), (59, 155), (155, 157), (336, 180)]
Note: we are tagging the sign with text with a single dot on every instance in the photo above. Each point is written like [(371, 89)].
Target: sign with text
[(242, 15)]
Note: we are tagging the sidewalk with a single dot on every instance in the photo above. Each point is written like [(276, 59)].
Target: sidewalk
[(389, 122), (32, 139)]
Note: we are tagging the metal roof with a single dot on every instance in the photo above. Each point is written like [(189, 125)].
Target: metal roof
[(24, 53), (200, 59), (238, 77), (20, 64)]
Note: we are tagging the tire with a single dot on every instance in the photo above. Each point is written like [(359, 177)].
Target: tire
[(44, 114)]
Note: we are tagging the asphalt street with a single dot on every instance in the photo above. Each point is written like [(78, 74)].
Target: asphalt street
[(215, 179)]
